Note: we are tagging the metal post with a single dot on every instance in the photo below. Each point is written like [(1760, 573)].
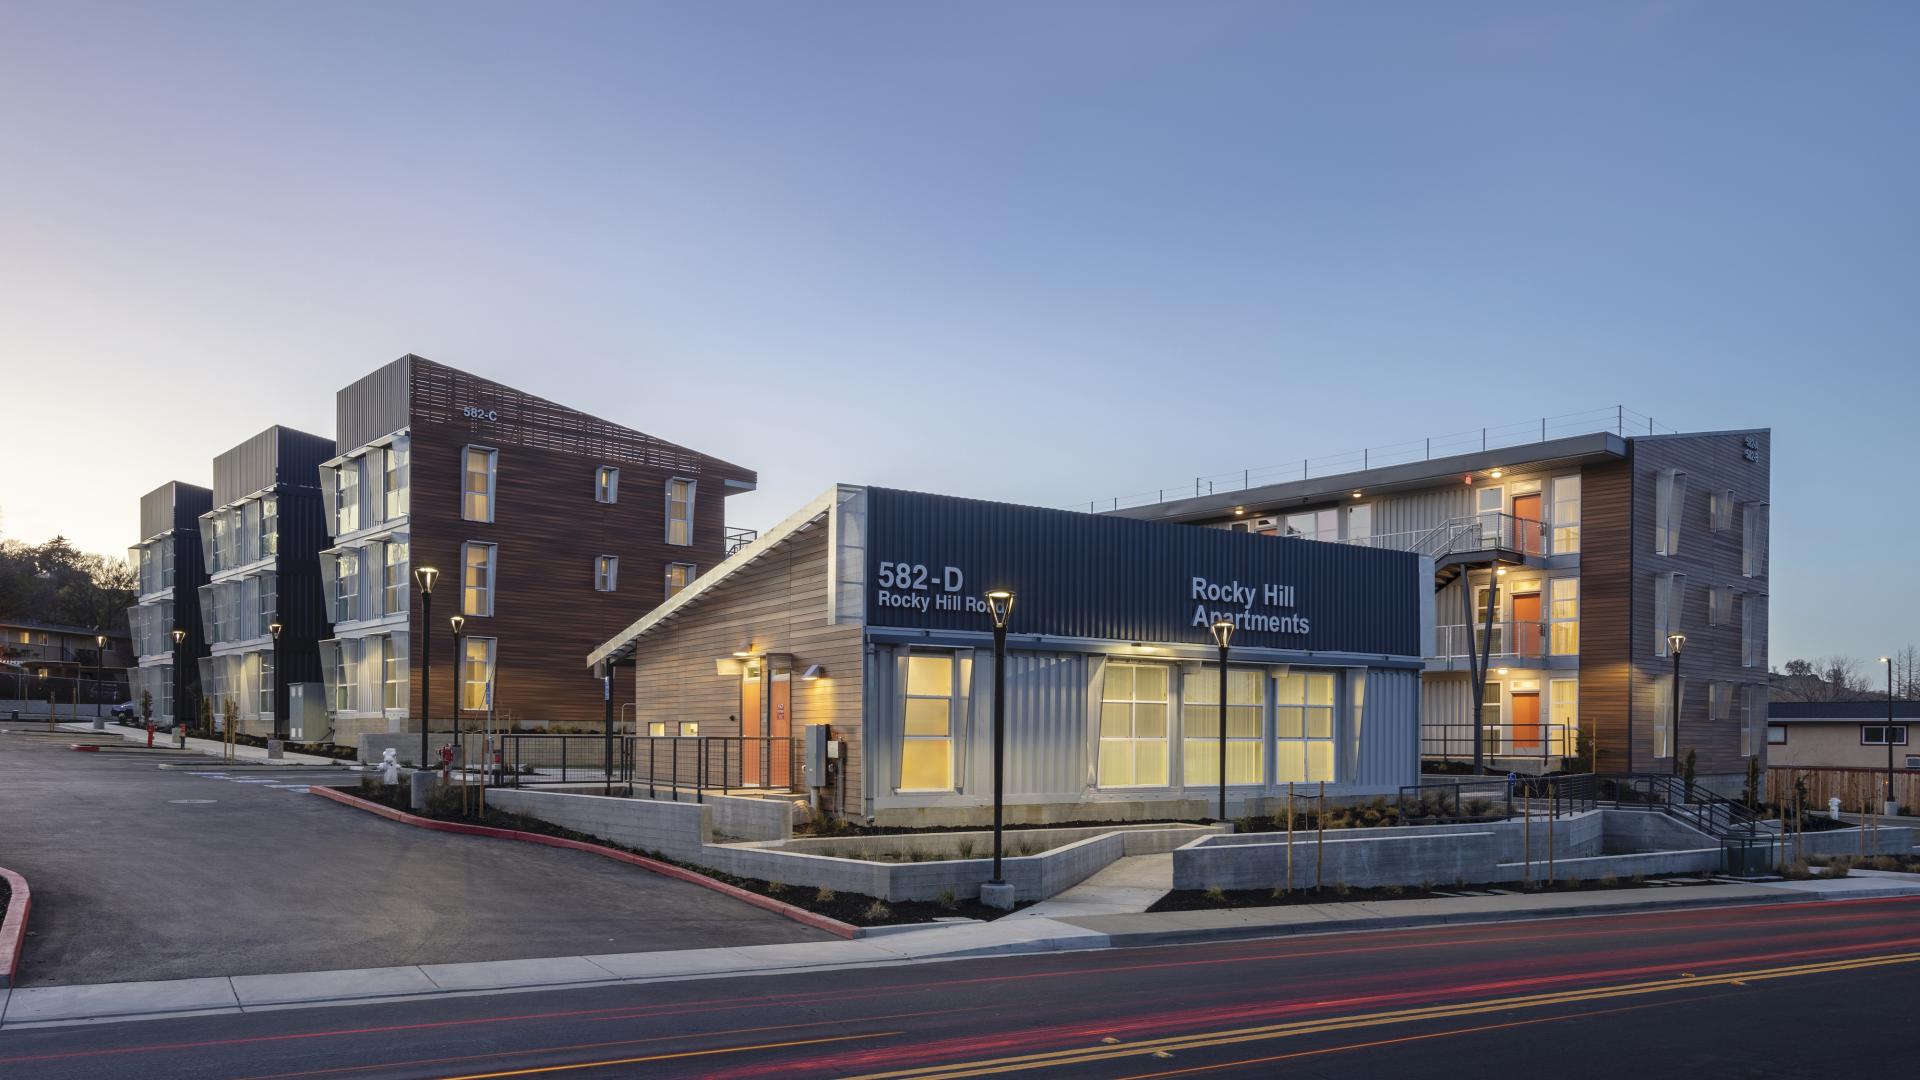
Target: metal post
[(1000, 739), (1320, 835), (606, 691), (456, 702), (1892, 806), (1553, 816), (1223, 733), (726, 764), (563, 759), (675, 745), (426, 676), (1526, 836), (1289, 836), (650, 765), (1674, 694)]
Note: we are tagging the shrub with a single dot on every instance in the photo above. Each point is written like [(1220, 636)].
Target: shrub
[(1886, 862), (1341, 889), (1215, 894), (1609, 880), (1426, 886), (947, 899), (775, 888), (878, 911), (966, 848), (1395, 890), (1839, 868), (917, 854), (1478, 807), (444, 801), (823, 895)]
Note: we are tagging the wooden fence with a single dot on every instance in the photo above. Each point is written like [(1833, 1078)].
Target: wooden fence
[(1859, 789)]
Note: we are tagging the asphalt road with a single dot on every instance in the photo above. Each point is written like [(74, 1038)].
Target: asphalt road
[(141, 873), (1808, 989)]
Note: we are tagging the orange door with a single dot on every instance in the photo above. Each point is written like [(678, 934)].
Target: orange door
[(752, 772), (780, 717), (1527, 635), (1529, 539), (1525, 728)]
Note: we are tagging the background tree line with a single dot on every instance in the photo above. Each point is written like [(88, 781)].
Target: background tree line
[(56, 582), (1847, 678)]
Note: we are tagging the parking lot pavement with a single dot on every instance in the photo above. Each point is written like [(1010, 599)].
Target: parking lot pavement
[(141, 873)]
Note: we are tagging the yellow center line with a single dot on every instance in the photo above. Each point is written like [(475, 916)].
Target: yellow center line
[(673, 1056), (1106, 1052)]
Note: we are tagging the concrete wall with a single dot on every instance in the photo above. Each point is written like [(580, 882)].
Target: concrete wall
[(1138, 839), (1359, 861), (678, 830)]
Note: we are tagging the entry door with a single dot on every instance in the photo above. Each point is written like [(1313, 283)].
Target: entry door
[(1527, 632), (752, 726), (1526, 513), (780, 728), (1523, 729), (766, 723)]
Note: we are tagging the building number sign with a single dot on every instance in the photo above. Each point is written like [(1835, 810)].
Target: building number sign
[(473, 413), (1750, 448)]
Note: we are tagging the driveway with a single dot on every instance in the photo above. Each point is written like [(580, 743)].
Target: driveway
[(143, 873)]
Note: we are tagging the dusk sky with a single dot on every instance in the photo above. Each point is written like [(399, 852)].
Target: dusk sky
[(1035, 252)]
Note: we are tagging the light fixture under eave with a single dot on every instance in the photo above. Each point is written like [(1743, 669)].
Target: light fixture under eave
[(1239, 511), (1356, 494), (813, 671), (1500, 572), (1499, 671), (1495, 474)]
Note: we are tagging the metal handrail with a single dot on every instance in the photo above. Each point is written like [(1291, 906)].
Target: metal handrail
[(1616, 419), (1527, 639), (1554, 742)]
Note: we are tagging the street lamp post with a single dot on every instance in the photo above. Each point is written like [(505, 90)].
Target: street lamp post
[(179, 685), (279, 711), (1675, 642), (1222, 635), (100, 669), (425, 576), (1892, 806), (1000, 607), (458, 623)]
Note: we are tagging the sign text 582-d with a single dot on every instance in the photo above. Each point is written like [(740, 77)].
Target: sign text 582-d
[(914, 587)]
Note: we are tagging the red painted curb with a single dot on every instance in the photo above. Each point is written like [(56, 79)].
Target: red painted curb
[(84, 747), (797, 914), (13, 928)]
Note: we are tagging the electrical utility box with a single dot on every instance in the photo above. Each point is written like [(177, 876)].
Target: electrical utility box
[(306, 711), (820, 754)]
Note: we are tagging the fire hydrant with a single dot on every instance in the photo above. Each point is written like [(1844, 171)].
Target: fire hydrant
[(446, 761)]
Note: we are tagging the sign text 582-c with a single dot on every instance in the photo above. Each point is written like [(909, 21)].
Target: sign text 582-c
[(473, 412)]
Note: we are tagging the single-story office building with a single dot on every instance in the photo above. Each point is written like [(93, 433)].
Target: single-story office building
[(1841, 734), (864, 611)]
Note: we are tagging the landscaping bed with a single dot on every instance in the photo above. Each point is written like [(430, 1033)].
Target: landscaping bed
[(832, 827), (852, 908), (1216, 899)]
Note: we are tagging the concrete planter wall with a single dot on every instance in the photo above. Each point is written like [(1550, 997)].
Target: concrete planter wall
[(1140, 840)]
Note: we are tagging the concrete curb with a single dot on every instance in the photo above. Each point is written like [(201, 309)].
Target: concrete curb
[(797, 914), (1247, 931), (13, 928)]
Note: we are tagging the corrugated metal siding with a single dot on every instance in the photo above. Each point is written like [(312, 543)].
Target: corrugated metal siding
[(1112, 578), (172, 505), (246, 468), (1046, 722), (1446, 706), (302, 608), (1421, 510), (373, 405), (300, 457), (1389, 744)]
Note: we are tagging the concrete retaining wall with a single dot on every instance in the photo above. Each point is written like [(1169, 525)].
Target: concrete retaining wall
[(1358, 861), (677, 830), (1140, 840)]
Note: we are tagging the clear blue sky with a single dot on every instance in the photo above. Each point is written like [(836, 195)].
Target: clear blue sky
[(1039, 252)]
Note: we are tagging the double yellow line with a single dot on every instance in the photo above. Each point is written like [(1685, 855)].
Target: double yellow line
[(1112, 1051)]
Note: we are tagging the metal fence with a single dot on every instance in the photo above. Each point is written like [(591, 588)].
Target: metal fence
[(1547, 744), (662, 766), (16, 685)]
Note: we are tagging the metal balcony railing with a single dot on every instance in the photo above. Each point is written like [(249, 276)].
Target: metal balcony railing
[(737, 538), (1505, 640), (1549, 742), (1616, 419), (1480, 532)]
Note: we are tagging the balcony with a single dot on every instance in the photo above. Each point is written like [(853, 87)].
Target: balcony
[(1521, 644), (1481, 540), (737, 538), (1523, 748)]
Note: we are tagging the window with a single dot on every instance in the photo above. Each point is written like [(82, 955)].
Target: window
[(250, 537), (606, 568), (217, 551), (1876, 734), (268, 607), (396, 462), (1303, 726), (1719, 605), (476, 591), (1669, 600), (606, 484), (478, 468), (1753, 539), (1563, 716), (1491, 704), (1776, 735), (396, 577), (393, 671), (680, 512), (679, 576), (1246, 724), (346, 604), (656, 728), (1720, 511), (1670, 497), (476, 672), (264, 706), (1663, 714), (1360, 524), (1312, 525), (346, 505), (1719, 700), (269, 526), (1752, 619), (690, 728), (1566, 515), (926, 744), (1564, 615), (343, 676), (1133, 726)]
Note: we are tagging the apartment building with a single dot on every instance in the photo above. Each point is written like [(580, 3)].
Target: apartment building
[(546, 527), (171, 571), (260, 608), (1566, 567)]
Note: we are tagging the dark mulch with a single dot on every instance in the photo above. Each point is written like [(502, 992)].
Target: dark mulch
[(1197, 900), (6, 894), (851, 908), (841, 828)]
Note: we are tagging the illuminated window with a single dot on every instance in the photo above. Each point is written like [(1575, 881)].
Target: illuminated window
[(656, 728), (1303, 726), (476, 672), (680, 512), (1566, 514), (1133, 726), (1563, 705), (926, 743), (679, 576), (1564, 612), (477, 483), (606, 571), (1246, 716), (393, 668), (606, 484), (690, 728), (264, 706), (398, 484), (1313, 525), (476, 586)]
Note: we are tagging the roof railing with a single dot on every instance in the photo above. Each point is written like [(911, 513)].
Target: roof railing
[(1614, 419)]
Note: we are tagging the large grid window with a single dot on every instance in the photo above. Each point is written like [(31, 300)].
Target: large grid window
[(1246, 723), (393, 671), (1133, 726), (476, 672), (479, 466), (1312, 525), (1566, 514), (346, 603), (679, 576), (346, 503), (680, 512), (606, 484), (264, 706), (1303, 726), (926, 743), (394, 460), (476, 584), (396, 577), (1563, 612), (1752, 618), (1563, 713), (1719, 605)]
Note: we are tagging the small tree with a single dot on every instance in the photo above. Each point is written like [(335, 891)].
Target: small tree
[(1753, 783), (146, 708), (206, 716), (231, 714), (1687, 769)]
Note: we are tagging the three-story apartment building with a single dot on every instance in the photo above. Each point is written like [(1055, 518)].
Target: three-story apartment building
[(547, 527), (171, 570), (1564, 568), (261, 543)]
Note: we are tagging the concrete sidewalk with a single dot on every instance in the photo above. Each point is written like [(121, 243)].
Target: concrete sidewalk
[(250, 755), (1012, 935)]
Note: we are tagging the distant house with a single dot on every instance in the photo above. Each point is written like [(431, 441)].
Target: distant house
[(1841, 734)]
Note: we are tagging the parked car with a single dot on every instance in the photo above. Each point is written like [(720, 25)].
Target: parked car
[(126, 710)]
